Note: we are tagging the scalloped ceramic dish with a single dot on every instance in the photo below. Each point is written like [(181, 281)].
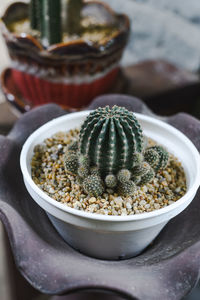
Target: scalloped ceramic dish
[(113, 237)]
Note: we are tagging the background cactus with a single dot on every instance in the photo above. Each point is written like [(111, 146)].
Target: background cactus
[(109, 137), (45, 16)]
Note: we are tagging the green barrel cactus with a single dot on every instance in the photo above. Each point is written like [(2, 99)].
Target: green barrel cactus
[(109, 137)]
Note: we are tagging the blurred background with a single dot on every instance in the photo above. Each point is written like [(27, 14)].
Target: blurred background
[(164, 29)]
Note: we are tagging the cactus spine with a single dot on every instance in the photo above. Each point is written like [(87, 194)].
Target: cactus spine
[(110, 136)]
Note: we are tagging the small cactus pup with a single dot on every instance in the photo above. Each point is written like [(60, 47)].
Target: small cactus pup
[(71, 163), (74, 8), (93, 185), (157, 157)]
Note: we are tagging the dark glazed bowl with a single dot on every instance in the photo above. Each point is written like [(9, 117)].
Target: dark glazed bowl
[(72, 73), (168, 269)]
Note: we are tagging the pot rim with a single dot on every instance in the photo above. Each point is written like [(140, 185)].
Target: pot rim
[(107, 218), (56, 50)]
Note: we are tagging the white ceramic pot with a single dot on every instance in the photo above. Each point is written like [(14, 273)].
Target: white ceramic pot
[(113, 237)]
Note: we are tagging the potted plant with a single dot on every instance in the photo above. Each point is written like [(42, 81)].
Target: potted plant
[(109, 179), (64, 51)]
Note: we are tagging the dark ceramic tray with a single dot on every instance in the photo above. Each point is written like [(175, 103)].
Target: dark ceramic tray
[(168, 269)]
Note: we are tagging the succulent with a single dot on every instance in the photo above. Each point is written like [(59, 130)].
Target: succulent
[(152, 157), (137, 159), (93, 185), (110, 136), (94, 171), (83, 171), (111, 181), (73, 146), (148, 177), (84, 161), (71, 163), (45, 16), (110, 152), (136, 179), (163, 157), (141, 170), (127, 188), (123, 175)]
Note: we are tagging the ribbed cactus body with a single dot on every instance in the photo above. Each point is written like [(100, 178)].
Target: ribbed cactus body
[(45, 16), (109, 137), (35, 8)]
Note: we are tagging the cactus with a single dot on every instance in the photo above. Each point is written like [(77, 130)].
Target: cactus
[(127, 188), (35, 13), (83, 171), (152, 157), (110, 136), (136, 179), (110, 151), (73, 146), (45, 16), (141, 170), (94, 171), (93, 185), (84, 161), (71, 163), (111, 181), (137, 159), (163, 157), (74, 8), (123, 175), (148, 177)]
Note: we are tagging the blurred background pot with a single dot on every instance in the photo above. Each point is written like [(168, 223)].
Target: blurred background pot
[(70, 73)]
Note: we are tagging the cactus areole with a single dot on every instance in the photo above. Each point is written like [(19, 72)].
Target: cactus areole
[(109, 137)]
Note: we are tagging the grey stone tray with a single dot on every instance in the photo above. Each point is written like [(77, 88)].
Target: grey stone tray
[(168, 269)]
